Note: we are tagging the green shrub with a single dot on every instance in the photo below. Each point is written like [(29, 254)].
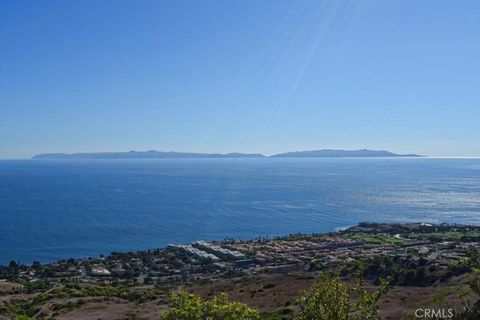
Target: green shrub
[(330, 299), (186, 306)]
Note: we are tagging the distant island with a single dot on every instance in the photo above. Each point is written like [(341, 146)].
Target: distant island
[(153, 154), (341, 154)]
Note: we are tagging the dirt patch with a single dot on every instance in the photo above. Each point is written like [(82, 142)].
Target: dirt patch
[(267, 293), (111, 309), (8, 287)]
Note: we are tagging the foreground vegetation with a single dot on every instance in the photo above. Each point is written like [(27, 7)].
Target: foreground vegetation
[(329, 298)]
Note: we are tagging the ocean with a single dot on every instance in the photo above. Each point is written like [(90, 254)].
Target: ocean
[(51, 210)]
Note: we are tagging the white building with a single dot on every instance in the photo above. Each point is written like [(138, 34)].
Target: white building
[(219, 250), (194, 251)]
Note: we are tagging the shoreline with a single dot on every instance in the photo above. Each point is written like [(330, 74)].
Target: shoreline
[(336, 230), (271, 237)]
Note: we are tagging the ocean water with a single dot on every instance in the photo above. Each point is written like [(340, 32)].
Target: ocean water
[(51, 210)]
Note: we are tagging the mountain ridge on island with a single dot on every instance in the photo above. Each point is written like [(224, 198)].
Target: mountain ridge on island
[(150, 154), (153, 154), (333, 153)]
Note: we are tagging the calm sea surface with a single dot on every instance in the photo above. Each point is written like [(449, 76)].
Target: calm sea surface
[(51, 210)]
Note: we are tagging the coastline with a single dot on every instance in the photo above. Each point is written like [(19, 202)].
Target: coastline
[(220, 240), (263, 238)]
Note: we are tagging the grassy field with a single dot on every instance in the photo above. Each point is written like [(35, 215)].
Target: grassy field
[(377, 239)]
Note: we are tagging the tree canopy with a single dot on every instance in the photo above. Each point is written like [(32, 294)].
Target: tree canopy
[(187, 306), (331, 299)]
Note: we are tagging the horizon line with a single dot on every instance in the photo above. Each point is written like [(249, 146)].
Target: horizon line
[(265, 155)]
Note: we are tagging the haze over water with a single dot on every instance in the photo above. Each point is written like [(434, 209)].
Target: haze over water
[(51, 210)]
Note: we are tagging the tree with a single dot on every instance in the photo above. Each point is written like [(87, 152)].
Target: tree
[(330, 299), (367, 305), (37, 266), (13, 267), (186, 306)]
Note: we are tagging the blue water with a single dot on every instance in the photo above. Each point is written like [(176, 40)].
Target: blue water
[(51, 210)]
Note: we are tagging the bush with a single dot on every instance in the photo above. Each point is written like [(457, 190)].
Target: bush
[(327, 300), (330, 299), (186, 306)]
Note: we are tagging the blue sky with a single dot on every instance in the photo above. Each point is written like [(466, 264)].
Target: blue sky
[(247, 76)]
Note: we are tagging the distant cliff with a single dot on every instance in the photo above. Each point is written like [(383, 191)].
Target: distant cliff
[(341, 154), (152, 154)]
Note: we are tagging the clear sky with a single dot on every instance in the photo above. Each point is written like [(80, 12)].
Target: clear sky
[(248, 76)]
